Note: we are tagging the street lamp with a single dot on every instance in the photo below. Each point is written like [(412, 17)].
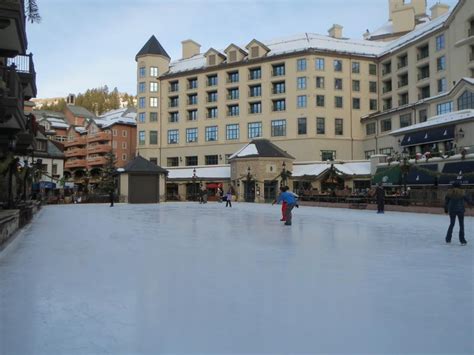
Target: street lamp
[(405, 168), (194, 184), (283, 174)]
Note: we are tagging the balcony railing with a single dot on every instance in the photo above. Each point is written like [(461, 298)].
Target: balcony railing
[(173, 104), (75, 153), (422, 76), (76, 141), (254, 111), (211, 99), (422, 55), (387, 107), (22, 63), (232, 97), (173, 89), (402, 83), (232, 80), (100, 136), (93, 161), (255, 76), (387, 89), (386, 71), (402, 64), (99, 148), (278, 91), (78, 163)]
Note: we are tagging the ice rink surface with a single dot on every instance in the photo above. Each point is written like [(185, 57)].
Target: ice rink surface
[(190, 278)]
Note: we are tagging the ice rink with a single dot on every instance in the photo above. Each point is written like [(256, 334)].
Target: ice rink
[(190, 278)]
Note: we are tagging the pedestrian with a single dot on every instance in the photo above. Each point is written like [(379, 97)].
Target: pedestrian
[(283, 205), (290, 200), (228, 198), (454, 205), (380, 198), (219, 195), (111, 196)]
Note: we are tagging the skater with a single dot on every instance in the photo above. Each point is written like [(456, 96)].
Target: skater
[(283, 205), (111, 196), (380, 197), (454, 205), (228, 198), (219, 193), (290, 200)]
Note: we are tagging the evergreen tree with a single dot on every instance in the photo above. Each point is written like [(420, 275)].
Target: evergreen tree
[(107, 182), (32, 11)]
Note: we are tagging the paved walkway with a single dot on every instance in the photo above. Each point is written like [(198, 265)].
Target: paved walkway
[(184, 277)]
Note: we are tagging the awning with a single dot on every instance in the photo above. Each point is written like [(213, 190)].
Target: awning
[(419, 175), (457, 172), (212, 185), (388, 175), (432, 135)]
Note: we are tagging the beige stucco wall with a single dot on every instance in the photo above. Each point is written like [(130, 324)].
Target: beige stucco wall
[(124, 187)]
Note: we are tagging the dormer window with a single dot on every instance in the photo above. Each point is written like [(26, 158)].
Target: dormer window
[(254, 52), (232, 56), (212, 59)]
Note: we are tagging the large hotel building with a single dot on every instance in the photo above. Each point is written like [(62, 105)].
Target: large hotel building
[(316, 97)]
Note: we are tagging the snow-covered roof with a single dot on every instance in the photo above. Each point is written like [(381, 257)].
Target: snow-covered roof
[(80, 129), (354, 168), (119, 116), (387, 28), (249, 149), (202, 172), (318, 168), (444, 119)]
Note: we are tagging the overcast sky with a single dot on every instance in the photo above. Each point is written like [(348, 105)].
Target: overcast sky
[(83, 44)]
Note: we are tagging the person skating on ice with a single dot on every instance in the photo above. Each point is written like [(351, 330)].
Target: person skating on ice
[(380, 198), (454, 205), (290, 200)]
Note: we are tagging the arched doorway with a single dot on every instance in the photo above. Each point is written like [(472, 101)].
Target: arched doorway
[(249, 190)]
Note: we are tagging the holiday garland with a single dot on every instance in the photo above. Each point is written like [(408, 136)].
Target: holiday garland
[(422, 169)]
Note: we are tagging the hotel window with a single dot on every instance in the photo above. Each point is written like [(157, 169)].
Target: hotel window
[(211, 133), (405, 120), (124, 133), (355, 85), (173, 136), (320, 125), (191, 135), (142, 72), (192, 99), (211, 159), (212, 96), (442, 85), (337, 65), (373, 104), (153, 87), (141, 87), (54, 169), (174, 86), (320, 101), (233, 77), (174, 101), (338, 126), (141, 117), (372, 69), (386, 151), (153, 137), (172, 161), (279, 88), (254, 129), (338, 84), (153, 116), (141, 138), (114, 144), (212, 80), (255, 107), (212, 112), (124, 145), (328, 155), (255, 91), (368, 154), (386, 125), (319, 64), (441, 63), (302, 125), (301, 64), (232, 132), (233, 94), (141, 102), (320, 82), (445, 107), (422, 115), (191, 160), (114, 132), (279, 105), (232, 110), (370, 128), (373, 86), (153, 71), (301, 83), (301, 101), (440, 42), (192, 115), (174, 117), (153, 102), (124, 156), (338, 103), (356, 103), (466, 101), (278, 128), (255, 73), (192, 83), (278, 69), (355, 67)]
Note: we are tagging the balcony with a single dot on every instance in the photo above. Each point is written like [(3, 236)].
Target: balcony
[(78, 141), (75, 153), (11, 101), (192, 86), (192, 102), (173, 89), (386, 71), (73, 164), (25, 68), (387, 107), (99, 148), (278, 91), (255, 76), (422, 76), (211, 99), (402, 83), (232, 97), (101, 136), (173, 104), (386, 89), (13, 39), (254, 111), (95, 161), (402, 64)]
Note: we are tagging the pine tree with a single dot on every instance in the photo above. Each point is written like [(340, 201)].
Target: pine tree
[(107, 182)]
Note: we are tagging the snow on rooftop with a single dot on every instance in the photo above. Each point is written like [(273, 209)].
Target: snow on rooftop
[(206, 172), (440, 120), (318, 168), (249, 149), (354, 168)]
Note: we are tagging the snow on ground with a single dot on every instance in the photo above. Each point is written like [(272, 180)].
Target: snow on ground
[(184, 277)]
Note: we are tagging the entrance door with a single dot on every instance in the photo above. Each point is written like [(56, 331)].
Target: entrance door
[(143, 189), (270, 190), (249, 191)]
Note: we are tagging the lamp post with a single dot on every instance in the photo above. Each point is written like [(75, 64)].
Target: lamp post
[(194, 184), (247, 187), (283, 174), (404, 167)]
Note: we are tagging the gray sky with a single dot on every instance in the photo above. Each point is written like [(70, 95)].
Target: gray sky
[(89, 43)]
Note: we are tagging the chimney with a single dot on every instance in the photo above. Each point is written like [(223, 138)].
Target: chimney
[(71, 99), (438, 9), (335, 31), (190, 48)]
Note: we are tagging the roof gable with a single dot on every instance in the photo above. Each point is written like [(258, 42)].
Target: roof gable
[(261, 148), (152, 47), (141, 165)]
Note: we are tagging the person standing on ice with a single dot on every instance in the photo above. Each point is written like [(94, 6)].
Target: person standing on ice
[(290, 200), (228, 198), (454, 205), (380, 198)]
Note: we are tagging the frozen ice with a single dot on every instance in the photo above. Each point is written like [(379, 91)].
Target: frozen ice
[(190, 278)]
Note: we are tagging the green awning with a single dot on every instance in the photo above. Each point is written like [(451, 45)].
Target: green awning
[(388, 175)]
